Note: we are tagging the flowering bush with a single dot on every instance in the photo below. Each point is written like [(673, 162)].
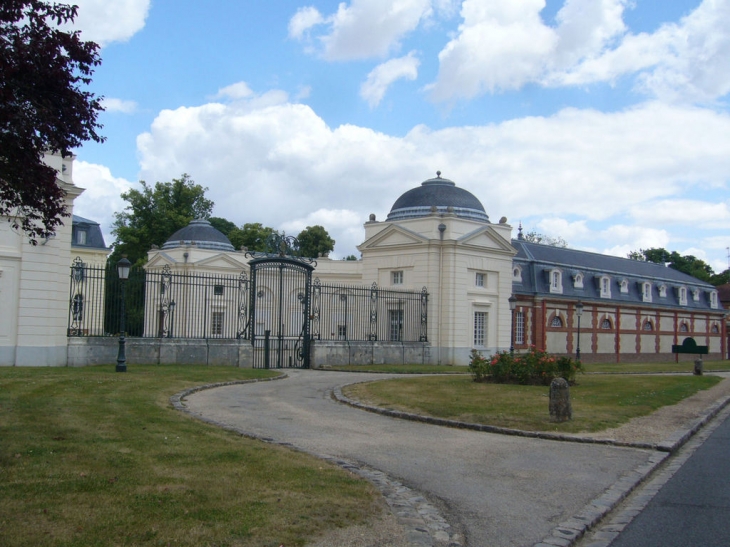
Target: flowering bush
[(536, 367)]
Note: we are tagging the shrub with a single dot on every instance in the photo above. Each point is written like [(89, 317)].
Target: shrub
[(536, 367)]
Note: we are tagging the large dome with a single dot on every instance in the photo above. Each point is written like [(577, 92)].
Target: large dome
[(444, 195), (201, 234)]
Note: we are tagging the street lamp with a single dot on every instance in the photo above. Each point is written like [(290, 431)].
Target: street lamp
[(578, 312), (512, 305), (123, 270)]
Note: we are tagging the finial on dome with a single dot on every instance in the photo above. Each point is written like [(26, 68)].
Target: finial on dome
[(438, 174), (519, 232)]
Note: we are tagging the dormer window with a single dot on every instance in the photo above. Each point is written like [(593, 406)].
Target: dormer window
[(713, 300), (604, 282), (662, 291), (624, 286), (682, 295), (696, 295), (578, 280), (80, 237), (556, 281), (517, 274), (646, 291)]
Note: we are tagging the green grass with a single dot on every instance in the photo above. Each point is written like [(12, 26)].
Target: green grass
[(599, 401), (403, 369), (669, 366), (93, 457)]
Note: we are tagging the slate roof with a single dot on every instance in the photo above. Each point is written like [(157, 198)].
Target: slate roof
[(537, 260), (440, 193), (94, 237), (201, 234)]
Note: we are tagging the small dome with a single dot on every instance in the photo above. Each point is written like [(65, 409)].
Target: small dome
[(437, 195), (201, 234)]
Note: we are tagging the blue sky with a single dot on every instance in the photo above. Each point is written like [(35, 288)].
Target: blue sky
[(604, 122)]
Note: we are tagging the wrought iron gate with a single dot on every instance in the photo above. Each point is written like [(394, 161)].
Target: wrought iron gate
[(279, 312)]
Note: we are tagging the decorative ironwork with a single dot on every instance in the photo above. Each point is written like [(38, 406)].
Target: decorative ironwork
[(424, 316), (244, 319), (316, 306), (166, 305), (77, 300), (281, 246), (373, 312)]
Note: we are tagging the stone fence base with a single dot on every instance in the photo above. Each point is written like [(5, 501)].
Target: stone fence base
[(83, 351)]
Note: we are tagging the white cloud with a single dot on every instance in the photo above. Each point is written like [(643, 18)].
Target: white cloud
[(685, 212), (345, 224), (303, 20), (238, 90), (119, 105), (504, 45), (278, 163), (382, 76), (501, 45), (107, 21), (364, 28), (102, 195)]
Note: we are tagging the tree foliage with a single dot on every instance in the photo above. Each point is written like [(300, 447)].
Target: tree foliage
[(252, 236), (535, 237), (314, 240), (43, 108), (688, 264), (155, 213)]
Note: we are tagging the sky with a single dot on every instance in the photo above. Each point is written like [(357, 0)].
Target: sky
[(603, 122)]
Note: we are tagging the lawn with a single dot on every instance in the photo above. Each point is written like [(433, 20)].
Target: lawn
[(92, 457), (599, 401)]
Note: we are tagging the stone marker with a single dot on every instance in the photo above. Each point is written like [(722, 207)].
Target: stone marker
[(560, 408), (698, 367)]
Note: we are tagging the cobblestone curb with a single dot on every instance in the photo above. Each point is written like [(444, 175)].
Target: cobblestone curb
[(422, 521)]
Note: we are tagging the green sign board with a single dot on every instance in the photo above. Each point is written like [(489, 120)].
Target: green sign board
[(690, 346)]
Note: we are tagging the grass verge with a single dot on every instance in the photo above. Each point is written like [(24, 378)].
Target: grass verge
[(599, 402), (92, 457), (403, 369), (669, 366)]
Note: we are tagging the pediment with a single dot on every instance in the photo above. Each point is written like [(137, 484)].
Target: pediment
[(223, 262), (393, 236), (487, 238), (159, 260)]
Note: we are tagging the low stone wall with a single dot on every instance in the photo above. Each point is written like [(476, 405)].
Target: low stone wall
[(83, 351)]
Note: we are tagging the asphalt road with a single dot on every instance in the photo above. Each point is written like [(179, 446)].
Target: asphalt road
[(500, 490), (693, 507)]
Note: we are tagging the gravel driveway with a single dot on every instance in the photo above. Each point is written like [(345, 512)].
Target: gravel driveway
[(498, 490)]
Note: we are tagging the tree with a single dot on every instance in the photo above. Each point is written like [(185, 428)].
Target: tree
[(534, 237), (252, 236), (350, 257), (688, 264), (43, 108), (223, 225), (154, 214), (314, 240)]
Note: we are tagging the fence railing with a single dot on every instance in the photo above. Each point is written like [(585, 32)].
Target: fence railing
[(166, 304)]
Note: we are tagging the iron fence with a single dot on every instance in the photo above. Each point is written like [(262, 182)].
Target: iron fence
[(165, 304)]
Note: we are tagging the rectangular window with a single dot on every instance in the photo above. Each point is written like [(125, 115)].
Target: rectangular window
[(81, 237), (342, 332), (216, 324), (396, 325), (397, 277), (519, 327), (480, 280), (480, 328), (218, 290)]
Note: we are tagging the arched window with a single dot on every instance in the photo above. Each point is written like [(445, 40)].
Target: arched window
[(556, 322), (606, 324), (715, 329), (648, 325), (683, 327)]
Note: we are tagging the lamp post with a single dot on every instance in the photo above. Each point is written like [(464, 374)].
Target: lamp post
[(123, 270), (578, 312), (512, 305)]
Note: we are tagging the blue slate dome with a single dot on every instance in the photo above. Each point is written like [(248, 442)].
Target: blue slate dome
[(444, 195), (201, 234)]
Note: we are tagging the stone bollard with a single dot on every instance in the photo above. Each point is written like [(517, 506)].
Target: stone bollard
[(560, 408), (698, 367)]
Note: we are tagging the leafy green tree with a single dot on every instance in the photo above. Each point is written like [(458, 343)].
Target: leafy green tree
[(252, 236), (350, 257), (721, 278), (535, 237), (222, 225), (43, 108), (314, 240), (688, 264), (153, 214)]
